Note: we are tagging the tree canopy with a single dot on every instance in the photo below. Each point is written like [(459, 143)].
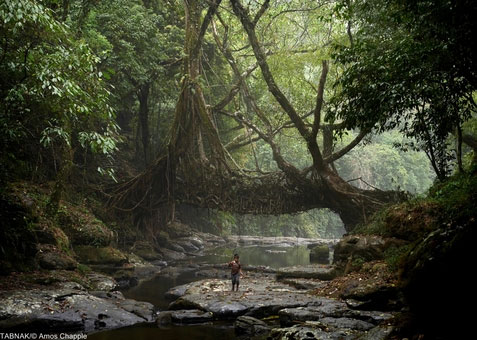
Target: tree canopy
[(267, 106), (410, 66)]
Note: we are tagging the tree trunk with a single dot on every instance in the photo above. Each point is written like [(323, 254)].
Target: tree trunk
[(143, 96), (179, 174), (61, 180)]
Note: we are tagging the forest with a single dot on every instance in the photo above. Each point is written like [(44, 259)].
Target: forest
[(126, 125)]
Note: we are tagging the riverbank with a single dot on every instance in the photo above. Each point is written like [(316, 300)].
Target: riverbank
[(89, 301)]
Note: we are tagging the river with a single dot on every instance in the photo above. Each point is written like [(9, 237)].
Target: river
[(153, 291)]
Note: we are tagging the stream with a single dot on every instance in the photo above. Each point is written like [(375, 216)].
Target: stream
[(179, 273)]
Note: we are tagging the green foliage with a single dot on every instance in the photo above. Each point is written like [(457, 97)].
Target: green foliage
[(409, 68), (315, 223), (457, 197), (394, 256), (380, 164), (140, 44), (51, 91)]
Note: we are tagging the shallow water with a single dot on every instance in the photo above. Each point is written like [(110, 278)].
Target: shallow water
[(213, 331), (274, 257), (153, 291)]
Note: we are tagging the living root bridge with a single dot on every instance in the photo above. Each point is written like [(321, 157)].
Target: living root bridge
[(156, 191)]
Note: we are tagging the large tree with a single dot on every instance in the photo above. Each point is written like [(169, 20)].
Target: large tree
[(411, 66), (198, 169), (54, 103)]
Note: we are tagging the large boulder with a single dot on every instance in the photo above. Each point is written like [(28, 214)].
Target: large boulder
[(68, 310), (437, 280), (333, 313), (100, 255), (49, 257), (320, 272), (259, 298), (250, 326), (320, 254), (101, 282), (354, 250), (317, 330), (146, 250), (83, 228)]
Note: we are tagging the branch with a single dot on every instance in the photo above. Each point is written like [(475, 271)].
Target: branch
[(319, 100), (205, 23), (267, 74), (283, 165), (262, 10), (470, 141), (347, 148)]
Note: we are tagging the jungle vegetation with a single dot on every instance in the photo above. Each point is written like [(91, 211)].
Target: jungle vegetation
[(241, 106)]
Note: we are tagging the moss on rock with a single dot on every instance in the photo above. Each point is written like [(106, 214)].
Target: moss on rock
[(100, 255)]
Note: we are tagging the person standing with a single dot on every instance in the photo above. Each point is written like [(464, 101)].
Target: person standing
[(235, 271)]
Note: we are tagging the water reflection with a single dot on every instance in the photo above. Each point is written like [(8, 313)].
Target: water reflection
[(153, 291), (217, 330), (274, 257)]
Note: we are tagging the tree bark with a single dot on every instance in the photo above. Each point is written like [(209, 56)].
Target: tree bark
[(143, 96)]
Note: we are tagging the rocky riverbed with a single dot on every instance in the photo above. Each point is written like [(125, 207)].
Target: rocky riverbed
[(289, 312), (297, 302)]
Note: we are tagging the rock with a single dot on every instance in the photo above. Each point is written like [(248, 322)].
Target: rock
[(340, 316), (330, 328), (62, 310), (187, 245), (146, 250), (191, 316), (71, 285), (374, 317), (100, 255), (227, 310), (176, 292), (378, 333), (164, 318), (177, 229), (304, 332), (175, 247), (114, 295), (82, 228), (101, 282), (307, 272), (271, 251), (196, 241), (171, 255), (320, 254), (49, 257), (322, 308), (284, 241), (437, 279), (346, 323), (53, 236), (159, 263), (142, 309), (210, 240), (353, 250), (126, 279), (303, 284), (372, 296), (247, 325), (259, 297)]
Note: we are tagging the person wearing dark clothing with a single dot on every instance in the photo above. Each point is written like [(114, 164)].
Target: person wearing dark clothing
[(235, 271)]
